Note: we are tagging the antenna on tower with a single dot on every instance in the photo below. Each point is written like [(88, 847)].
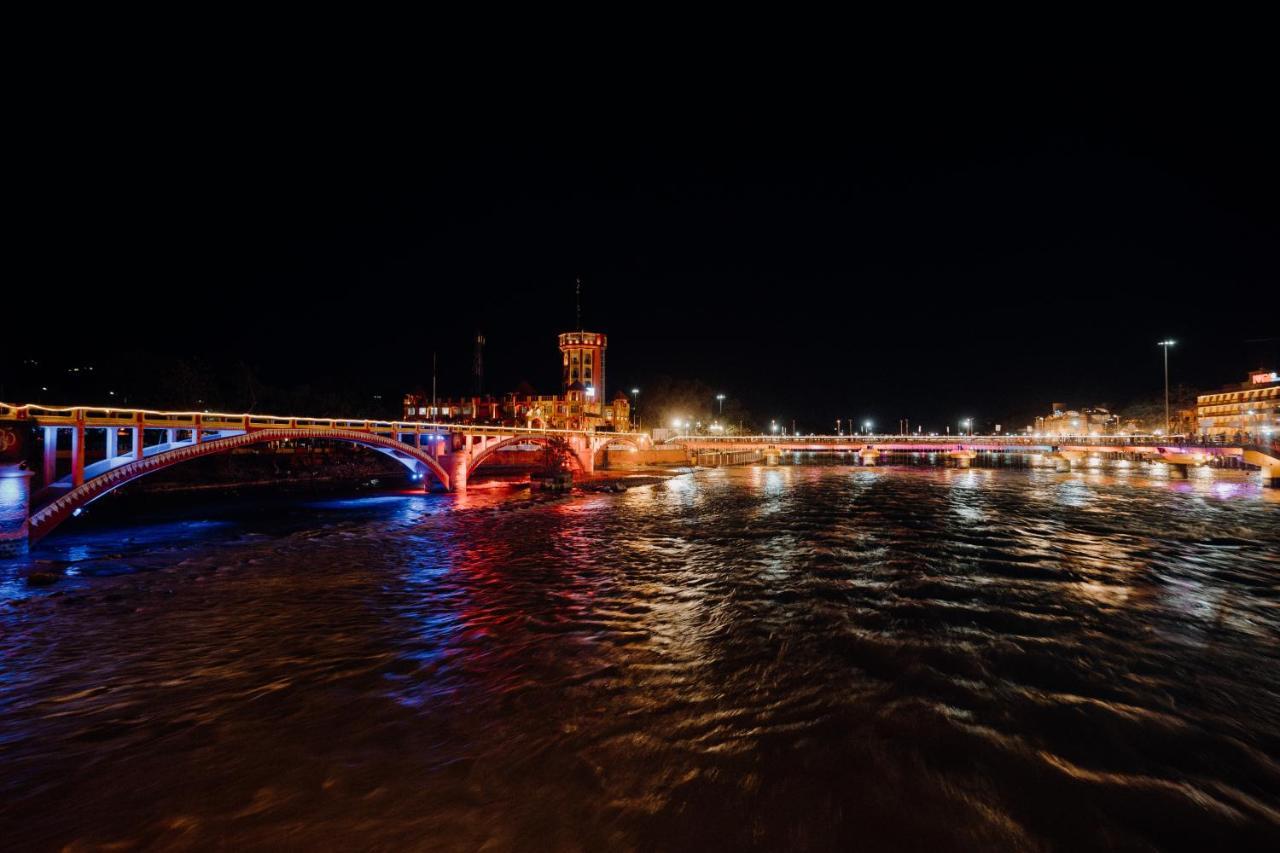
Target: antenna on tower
[(478, 368), (578, 302)]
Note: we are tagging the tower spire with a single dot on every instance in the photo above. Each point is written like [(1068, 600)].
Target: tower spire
[(578, 303)]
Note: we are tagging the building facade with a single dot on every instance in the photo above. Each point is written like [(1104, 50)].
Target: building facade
[(583, 355), (1064, 421), (581, 403), (1248, 411)]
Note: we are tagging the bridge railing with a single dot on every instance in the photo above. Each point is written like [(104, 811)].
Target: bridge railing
[(914, 438), (100, 416)]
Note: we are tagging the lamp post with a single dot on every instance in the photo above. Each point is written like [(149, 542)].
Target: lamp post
[(635, 406), (866, 426), (1166, 345), (720, 399)]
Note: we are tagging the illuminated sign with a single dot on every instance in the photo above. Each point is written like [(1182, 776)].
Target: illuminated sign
[(1260, 378)]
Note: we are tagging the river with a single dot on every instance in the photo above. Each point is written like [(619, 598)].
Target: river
[(804, 657)]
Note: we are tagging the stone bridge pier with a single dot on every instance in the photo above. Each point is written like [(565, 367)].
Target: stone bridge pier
[(584, 451)]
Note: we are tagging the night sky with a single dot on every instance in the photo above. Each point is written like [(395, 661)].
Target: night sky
[(933, 257)]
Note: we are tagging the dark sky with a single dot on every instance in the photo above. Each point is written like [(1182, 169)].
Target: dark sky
[(934, 255)]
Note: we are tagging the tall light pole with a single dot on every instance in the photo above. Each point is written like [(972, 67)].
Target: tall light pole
[(635, 406), (720, 398), (1166, 345)]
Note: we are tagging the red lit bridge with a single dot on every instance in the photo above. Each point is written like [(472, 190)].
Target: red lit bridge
[(131, 443)]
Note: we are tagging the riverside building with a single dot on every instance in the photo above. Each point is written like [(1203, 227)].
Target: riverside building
[(581, 403), (1064, 421), (1248, 411)]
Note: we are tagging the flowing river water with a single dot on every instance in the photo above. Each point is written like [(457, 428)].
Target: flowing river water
[(805, 657)]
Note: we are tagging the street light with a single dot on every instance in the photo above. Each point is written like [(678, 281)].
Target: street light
[(720, 397), (866, 425), (774, 426), (635, 407), (967, 423), (1166, 345)]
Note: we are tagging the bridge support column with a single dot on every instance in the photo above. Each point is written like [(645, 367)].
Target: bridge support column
[(137, 442), (15, 509), (1065, 460), (580, 447), (77, 455), (456, 464), (457, 461), (1271, 477), (113, 443), (50, 468)]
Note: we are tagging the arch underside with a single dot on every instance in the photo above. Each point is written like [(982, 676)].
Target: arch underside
[(49, 516), (602, 448), (554, 443)]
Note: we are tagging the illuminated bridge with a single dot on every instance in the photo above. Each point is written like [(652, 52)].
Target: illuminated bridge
[(137, 442), (1179, 453)]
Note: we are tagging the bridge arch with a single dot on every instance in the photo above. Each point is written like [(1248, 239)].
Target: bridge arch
[(602, 442), (45, 519), (544, 440)]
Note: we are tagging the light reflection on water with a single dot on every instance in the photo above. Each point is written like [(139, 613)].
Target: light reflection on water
[(797, 657)]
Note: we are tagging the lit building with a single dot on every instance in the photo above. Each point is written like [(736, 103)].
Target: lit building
[(1064, 421), (583, 354), (1250, 410), (580, 405)]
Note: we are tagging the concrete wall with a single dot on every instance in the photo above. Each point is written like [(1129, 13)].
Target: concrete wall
[(514, 459), (626, 458)]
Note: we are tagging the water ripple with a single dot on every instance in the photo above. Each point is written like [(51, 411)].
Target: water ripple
[(793, 658)]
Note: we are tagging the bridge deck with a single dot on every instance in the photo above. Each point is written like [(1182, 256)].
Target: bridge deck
[(994, 443), (104, 416)]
